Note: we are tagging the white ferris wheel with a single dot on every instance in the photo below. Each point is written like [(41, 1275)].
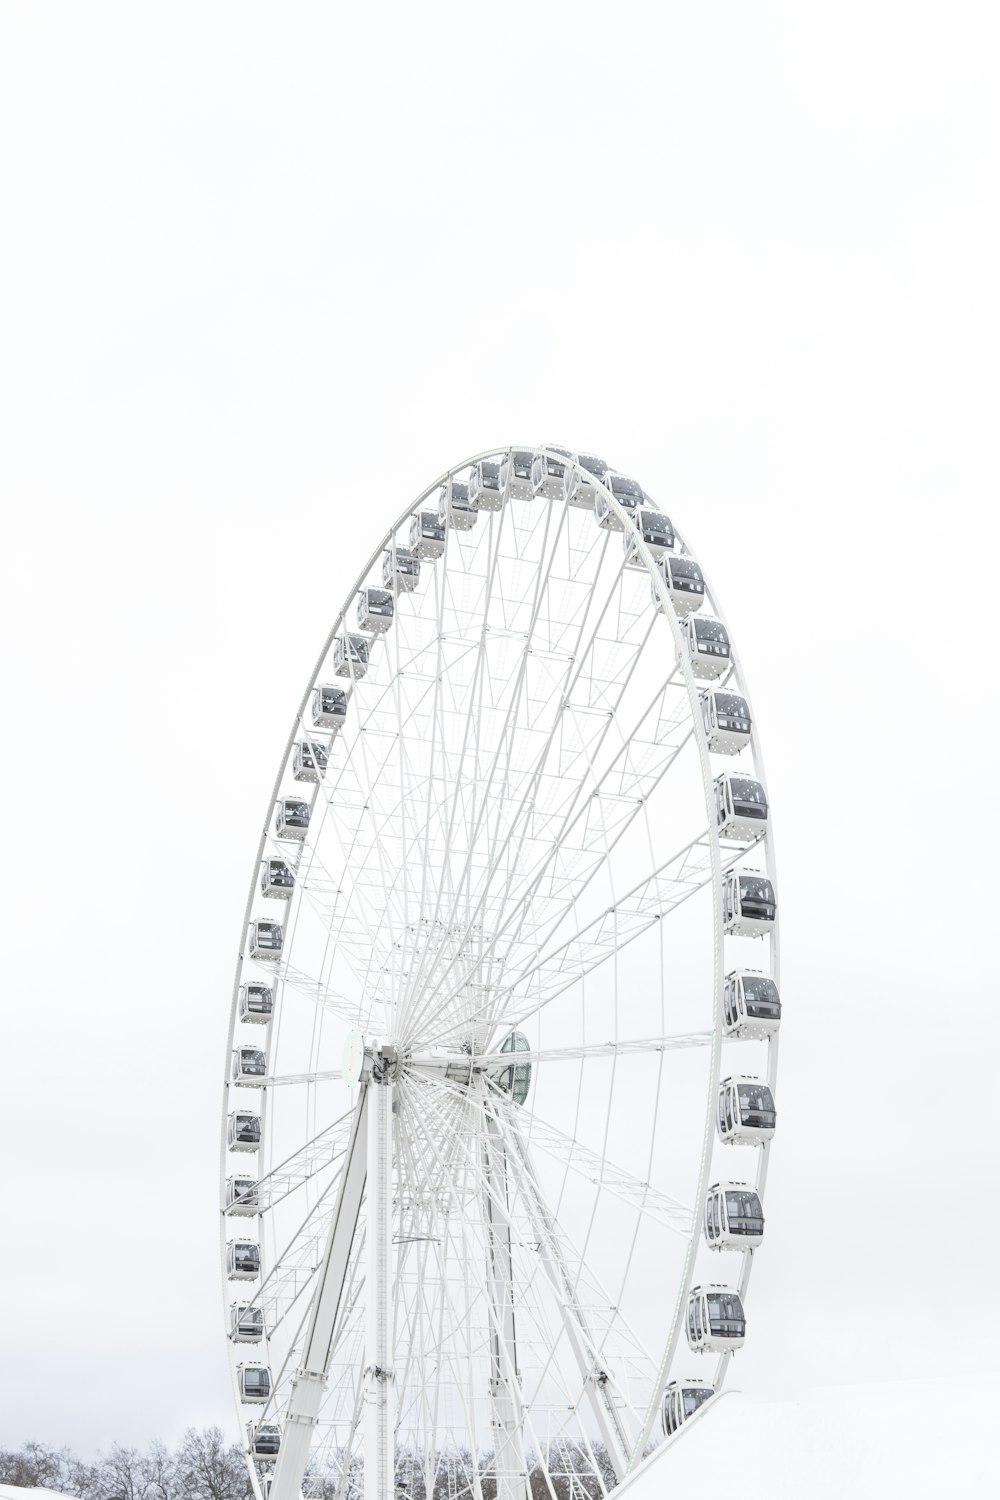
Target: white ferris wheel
[(503, 1040)]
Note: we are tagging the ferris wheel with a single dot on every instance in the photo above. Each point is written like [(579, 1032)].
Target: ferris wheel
[(503, 1038)]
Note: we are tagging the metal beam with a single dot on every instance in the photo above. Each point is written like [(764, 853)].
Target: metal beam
[(380, 1374), (310, 1379)]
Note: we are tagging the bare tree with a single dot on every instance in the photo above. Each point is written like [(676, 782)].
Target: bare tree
[(206, 1468)]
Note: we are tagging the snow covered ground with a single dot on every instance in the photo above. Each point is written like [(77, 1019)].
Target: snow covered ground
[(903, 1438)]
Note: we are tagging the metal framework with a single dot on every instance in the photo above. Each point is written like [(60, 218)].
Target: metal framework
[(511, 839)]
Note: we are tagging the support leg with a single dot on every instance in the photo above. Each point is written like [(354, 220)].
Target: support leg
[(380, 1392)]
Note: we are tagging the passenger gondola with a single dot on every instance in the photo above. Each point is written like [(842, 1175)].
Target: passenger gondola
[(256, 1004), (751, 1007), (264, 941), (427, 535), (276, 879), (656, 531), (748, 903), (681, 1399), (548, 472), (455, 505), (309, 761), (733, 1217), (241, 1195), (579, 490), (684, 583), (243, 1132), (400, 569), (726, 717), (740, 807), (707, 644), (246, 1323), (242, 1260), (487, 486), (254, 1383), (249, 1065), (264, 1439), (746, 1115), (291, 818), (629, 494), (351, 656), (716, 1322), (375, 610), (329, 707)]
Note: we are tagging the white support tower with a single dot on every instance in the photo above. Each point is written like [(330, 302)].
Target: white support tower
[(310, 1380), (379, 1374), (505, 1385)]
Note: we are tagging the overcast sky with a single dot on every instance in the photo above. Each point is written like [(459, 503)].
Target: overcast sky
[(264, 272)]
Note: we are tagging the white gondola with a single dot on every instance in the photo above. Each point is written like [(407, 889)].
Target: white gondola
[(242, 1260), (376, 608), (716, 1322), (681, 1399), (516, 474), (351, 655), (579, 490), (246, 1324), (548, 472), (309, 761), (684, 583), (656, 531), (241, 1195), (726, 717), (748, 903), (455, 507), (629, 494), (249, 1065), (276, 879), (264, 942), (329, 707), (746, 1114), (264, 1439), (740, 807), (515, 1079), (400, 569), (256, 1004), (291, 818), (243, 1132), (254, 1383), (751, 1006), (707, 645), (487, 488), (733, 1217), (427, 534)]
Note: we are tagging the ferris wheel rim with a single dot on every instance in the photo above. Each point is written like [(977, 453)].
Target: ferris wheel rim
[(715, 855)]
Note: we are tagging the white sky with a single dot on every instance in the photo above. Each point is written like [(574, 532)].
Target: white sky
[(264, 272)]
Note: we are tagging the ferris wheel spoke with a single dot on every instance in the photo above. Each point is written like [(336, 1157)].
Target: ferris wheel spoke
[(600, 1172), (436, 1063), (586, 1353), (454, 888), (544, 977), (314, 1156), (578, 657), (505, 1354), (283, 1080)]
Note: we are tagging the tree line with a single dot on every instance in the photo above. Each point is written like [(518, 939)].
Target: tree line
[(203, 1466)]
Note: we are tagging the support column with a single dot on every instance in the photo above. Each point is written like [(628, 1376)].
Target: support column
[(505, 1389), (380, 1390), (309, 1383)]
